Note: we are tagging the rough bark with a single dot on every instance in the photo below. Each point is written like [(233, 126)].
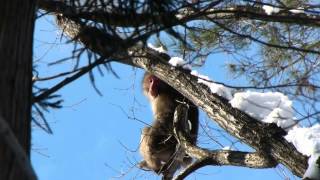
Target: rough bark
[(16, 37)]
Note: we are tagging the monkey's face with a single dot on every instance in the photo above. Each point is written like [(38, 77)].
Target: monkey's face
[(151, 85), (154, 86)]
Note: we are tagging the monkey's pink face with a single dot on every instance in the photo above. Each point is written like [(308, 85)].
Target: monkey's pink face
[(154, 86)]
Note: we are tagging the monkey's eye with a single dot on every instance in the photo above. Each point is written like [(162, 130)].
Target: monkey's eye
[(150, 80)]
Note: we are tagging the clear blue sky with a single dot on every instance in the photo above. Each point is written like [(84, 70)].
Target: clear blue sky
[(95, 138)]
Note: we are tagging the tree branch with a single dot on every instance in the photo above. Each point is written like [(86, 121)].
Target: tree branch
[(68, 80), (97, 41), (192, 168), (206, 157), (112, 16), (182, 15)]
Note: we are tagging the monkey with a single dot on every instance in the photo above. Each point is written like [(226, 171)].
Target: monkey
[(158, 145), (164, 99)]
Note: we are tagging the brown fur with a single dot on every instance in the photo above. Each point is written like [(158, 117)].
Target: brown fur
[(158, 145)]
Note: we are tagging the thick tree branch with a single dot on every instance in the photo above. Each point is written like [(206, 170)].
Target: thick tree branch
[(111, 16), (206, 157), (257, 13), (183, 15)]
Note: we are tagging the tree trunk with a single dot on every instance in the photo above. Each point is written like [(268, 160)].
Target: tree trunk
[(16, 37)]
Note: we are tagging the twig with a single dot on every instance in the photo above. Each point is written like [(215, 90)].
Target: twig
[(263, 42), (68, 80)]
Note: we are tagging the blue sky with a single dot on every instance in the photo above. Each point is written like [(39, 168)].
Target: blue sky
[(95, 136)]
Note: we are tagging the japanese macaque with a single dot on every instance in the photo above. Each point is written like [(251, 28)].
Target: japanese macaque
[(158, 145)]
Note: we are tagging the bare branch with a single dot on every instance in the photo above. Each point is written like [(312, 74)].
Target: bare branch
[(68, 80), (34, 79)]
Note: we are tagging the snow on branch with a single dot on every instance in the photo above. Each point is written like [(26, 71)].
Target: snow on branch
[(214, 87), (270, 9), (159, 49), (179, 62), (269, 107), (313, 171), (307, 141)]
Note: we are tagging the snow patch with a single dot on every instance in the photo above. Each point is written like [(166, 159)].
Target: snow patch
[(179, 62), (313, 171), (214, 87), (227, 148), (269, 107), (159, 49), (297, 11), (270, 9), (305, 139)]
